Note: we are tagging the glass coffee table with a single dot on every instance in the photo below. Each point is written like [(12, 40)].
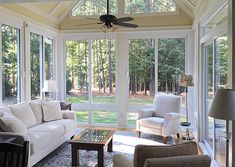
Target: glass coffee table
[(91, 139)]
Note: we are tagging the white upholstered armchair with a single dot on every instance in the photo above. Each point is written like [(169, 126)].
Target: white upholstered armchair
[(162, 119)]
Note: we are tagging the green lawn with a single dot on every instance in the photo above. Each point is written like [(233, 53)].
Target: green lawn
[(107, 100), (95, 99)]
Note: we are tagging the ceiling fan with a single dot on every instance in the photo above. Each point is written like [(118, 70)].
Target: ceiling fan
[(109, 21)]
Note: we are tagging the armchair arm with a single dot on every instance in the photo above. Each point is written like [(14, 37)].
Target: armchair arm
[(179, 161), (68, 114), (170, 124), (144, 113), (143, 152), (120, 160)]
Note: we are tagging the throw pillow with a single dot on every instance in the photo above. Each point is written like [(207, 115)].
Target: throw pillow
[(24, 113), (51, 110), (10, 123), (37, 110)]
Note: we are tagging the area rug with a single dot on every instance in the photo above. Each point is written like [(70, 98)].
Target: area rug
[(123, 143)]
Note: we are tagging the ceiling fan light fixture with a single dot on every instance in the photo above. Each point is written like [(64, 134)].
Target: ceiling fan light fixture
[(104, 28)]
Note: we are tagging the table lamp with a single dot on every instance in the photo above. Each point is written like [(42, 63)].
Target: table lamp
[(50, 86), (186, 80), (223, 107)]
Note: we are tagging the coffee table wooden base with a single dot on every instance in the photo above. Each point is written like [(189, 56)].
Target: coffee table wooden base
[(75, 147)]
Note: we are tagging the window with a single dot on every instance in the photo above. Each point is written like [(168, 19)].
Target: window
[(90, 78), (149, 6), (48, 58), (41, 63), (35, 60), (94, 7), (11, 62), (141, 71), (142, 79)]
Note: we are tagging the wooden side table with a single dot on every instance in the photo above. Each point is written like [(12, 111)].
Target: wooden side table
[(65, 105)]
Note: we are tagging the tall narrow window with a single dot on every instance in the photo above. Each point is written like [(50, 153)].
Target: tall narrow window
[(141, 71), (35, 56), (103, 71), (77, 71), (11, 65), (48, 58), (209, 93), (171, 64)]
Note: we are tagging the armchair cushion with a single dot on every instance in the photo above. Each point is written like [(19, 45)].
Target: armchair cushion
[(152, 122), (179, 161), (144, 113), (165, 103)]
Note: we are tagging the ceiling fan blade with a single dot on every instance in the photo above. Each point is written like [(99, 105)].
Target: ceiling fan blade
[(124, 19), (126, 24), (88, 24), (92, 18)]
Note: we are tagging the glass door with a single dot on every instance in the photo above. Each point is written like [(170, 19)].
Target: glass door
[(216, 77), (209, 76)]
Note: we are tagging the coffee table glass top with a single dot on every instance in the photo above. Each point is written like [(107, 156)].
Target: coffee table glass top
[(93, 136)]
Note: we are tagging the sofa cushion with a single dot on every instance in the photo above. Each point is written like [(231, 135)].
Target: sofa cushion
[(67, 124), (39, 140), (56, 129), (166, 103), (51, 110), (10, 123), (37, 110), (152, 122), (24, 112)]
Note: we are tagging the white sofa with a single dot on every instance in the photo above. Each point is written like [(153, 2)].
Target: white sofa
[(43, 136)]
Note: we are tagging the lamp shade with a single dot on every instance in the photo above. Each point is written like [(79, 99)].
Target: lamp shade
[(186, 80), (50, 86), (223, 105)]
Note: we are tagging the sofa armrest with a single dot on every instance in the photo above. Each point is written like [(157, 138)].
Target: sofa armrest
[(144, 113), (25, 137), (170, 124), (68, 114), (179, 161), (120, 160)]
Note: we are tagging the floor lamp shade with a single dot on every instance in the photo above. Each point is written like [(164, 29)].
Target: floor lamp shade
[(223, 105), (50, 86)]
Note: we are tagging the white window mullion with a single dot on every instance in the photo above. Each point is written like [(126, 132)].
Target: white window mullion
[(42, 59), (156, 64), (90, 80)]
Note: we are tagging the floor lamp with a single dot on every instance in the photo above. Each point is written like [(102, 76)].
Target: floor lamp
[(223, 107), (186, 81), (50, 86)]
